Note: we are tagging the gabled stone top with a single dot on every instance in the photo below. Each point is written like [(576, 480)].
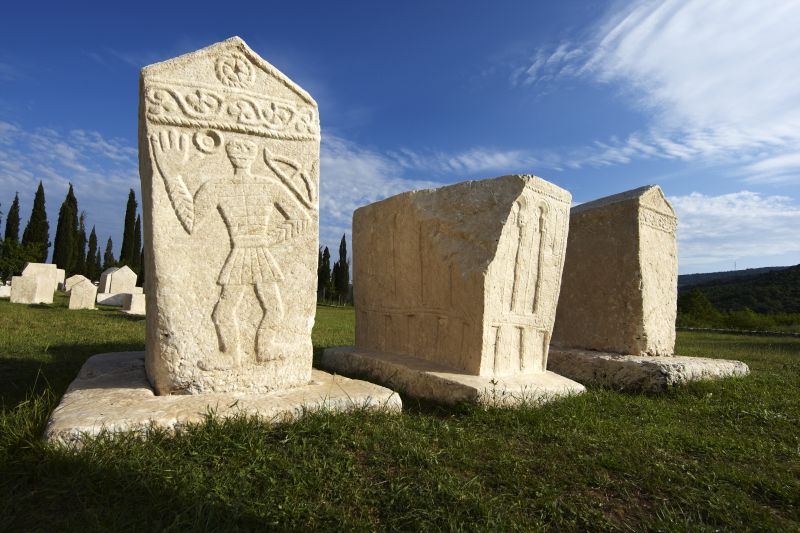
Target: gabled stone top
[(650, 196), (206, 64)]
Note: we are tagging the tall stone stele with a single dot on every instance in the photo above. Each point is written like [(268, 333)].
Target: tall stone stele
[(229, 163), (456, 290), (615, 324), (229, 157)]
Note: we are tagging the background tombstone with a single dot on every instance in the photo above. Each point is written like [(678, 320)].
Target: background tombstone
[(115, 283), (82, 295), (456, 290), (5, 291), (24, 290), (619, 296), (46, 276), (73, 280), (229, 157), (134, 304), (60, 276)]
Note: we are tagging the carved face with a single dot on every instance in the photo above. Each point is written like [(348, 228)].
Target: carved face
[(241, 153)]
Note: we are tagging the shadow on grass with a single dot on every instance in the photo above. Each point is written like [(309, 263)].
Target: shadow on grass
[(59, 365)]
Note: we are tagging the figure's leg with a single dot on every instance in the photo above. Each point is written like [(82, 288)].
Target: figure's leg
[(269, 297), (226, 323)]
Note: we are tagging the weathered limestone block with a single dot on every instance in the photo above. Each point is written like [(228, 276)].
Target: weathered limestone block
[(5, 291), (619, 289), (460, 281), (82, 295), (117, 280), (134, 304), (619, 297), (47, 280), (112, 393), (24, 290), (229, 162), (60, 275), (73, 280)]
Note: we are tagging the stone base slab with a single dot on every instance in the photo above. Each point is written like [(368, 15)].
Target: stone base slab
[(112, 393), (639, 373), (423, 379)]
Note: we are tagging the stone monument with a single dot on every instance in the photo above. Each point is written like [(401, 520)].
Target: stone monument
[(134, 304), (115, 283), (60, 275), (615, 323), (229, 164), (46, 277), (24, 290), (82, 295), (456, 291), (5, 291)]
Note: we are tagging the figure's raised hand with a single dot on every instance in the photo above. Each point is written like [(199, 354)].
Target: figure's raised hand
[(170, 148)]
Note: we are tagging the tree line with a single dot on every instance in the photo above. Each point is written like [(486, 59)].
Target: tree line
[(73, 250), (333, 283)]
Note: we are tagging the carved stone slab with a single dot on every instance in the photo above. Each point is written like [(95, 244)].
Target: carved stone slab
[(619, 289), (82, 295), (229, 163), (464, 276), (112, 393)]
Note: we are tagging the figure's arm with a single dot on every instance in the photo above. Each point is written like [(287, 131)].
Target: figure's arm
[(297, 217), (170, 152)]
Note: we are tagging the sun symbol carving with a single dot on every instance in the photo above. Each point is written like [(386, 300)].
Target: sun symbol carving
[(234, 70)]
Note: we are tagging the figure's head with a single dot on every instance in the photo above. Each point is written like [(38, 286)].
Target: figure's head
[(241, 153)]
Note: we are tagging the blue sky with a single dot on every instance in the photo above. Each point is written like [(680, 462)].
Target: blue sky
[(701, 97)]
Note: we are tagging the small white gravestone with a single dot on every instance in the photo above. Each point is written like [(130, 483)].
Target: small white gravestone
[(82, 295), (46, 276), (5, 291), (24, 290), (73, 280), (115, 283), (615, 323), (456, 291), (60, 275), (134, 304), (229, 166)]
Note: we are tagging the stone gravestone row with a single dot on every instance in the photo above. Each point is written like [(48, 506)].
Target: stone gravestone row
[(457, 289), (115, 285)]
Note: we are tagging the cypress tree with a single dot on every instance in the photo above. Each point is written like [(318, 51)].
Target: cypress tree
[(12, 220), (129, 251), (66, 233), (108, 257), (37, 231), (79, 265), (136, 262), (97, 266), (92, 259), (324, 273), (342, 275)]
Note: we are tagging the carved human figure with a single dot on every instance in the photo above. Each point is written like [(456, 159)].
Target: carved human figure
[(246, 203)]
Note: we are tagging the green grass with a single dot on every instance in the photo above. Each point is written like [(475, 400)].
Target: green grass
[(716, 455)]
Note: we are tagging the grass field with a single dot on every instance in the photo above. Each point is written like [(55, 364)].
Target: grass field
[(717, 455)]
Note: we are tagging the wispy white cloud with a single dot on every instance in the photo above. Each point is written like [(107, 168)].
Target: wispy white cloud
[(735, 226), (716, 77), (8, 72), (352, 176), (100, 169)]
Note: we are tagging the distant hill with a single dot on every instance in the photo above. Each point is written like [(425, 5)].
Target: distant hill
[(774, 290), (689, 280)]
